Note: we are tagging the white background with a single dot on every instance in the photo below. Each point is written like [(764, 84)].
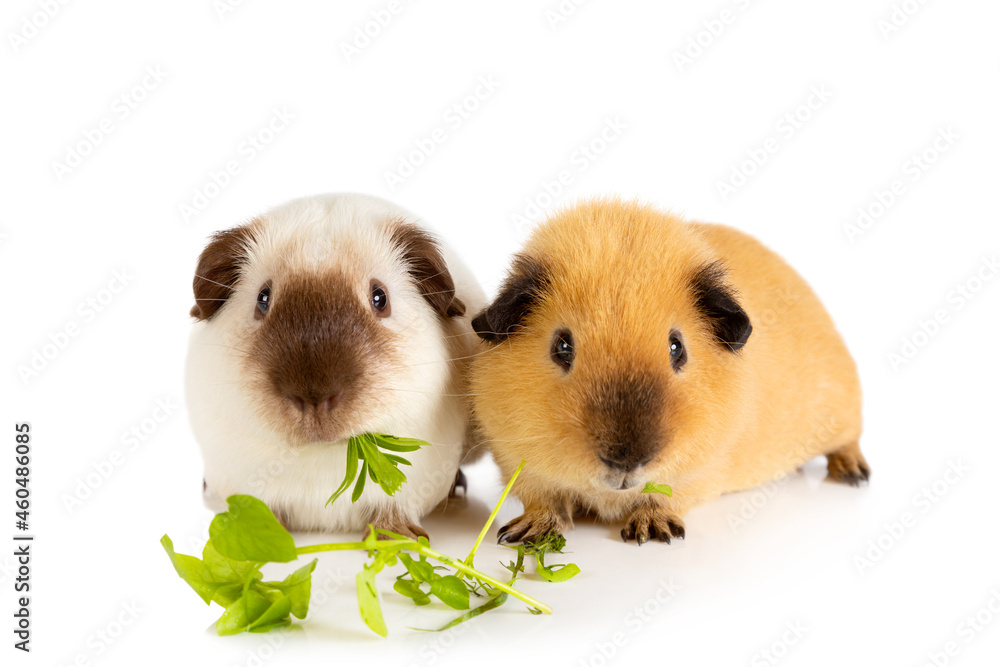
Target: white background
[(685, 127)]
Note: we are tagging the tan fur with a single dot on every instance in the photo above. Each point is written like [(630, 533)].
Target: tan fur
[(619, 279)]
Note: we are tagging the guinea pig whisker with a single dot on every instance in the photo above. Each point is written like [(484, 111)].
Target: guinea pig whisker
[(498, 333), (423, 280), (412, 391), (444, 361), (230, 347), (444, 291), (229, 287), (418, 391)]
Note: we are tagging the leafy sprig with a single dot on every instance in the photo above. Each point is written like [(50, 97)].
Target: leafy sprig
[(554, 543), (242, 540), (382, 468), (653, 487), (248, 536)]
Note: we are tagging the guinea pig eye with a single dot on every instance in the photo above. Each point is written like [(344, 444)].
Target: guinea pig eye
[(562, 350), (380, 300), (263, 301), (678, 355)]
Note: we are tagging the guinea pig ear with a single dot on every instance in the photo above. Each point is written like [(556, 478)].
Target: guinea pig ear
[(717, 302), (219, 268), (428, 269), (518, 295)]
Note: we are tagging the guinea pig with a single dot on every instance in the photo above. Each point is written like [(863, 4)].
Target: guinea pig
[(322, 319), (629, 346)]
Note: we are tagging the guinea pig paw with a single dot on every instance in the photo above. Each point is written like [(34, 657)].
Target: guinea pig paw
[(848, 466), (529, 527), (652, 523)]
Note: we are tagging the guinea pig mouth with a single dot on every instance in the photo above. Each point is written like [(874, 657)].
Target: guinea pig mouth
[(310, 433), (623, 481), (309, 426)]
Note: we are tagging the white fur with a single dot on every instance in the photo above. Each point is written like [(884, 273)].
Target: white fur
[(243, 455)]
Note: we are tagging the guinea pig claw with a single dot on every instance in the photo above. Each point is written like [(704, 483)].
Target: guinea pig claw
[(527, 528), (648, 523), (848, 466), (508, 534)]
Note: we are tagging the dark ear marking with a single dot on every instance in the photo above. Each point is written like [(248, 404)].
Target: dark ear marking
[(219, 268), (519, 293), (428, 268), (717, 302)]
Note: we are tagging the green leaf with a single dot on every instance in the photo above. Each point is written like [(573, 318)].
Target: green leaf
[(221, 568), (394, 444), (274, 616), (193, 571), (249, 531), (493, 603), (452, 591), (420, 569), (360, 486), (368, 604), (352, 470), (283, 623), (254, 611), (380, 469), (653, 487), (412, 590), (398, 460), (234, 573), (297, 588), (558, 573), (407, 588)]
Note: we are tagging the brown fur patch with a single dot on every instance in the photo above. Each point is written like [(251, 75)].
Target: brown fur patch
[(717, 302), (318, 343), (520, 292), (427, 268), (219, 268), (624, 419)]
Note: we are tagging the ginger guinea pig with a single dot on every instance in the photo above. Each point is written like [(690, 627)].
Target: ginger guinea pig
[(630, 346), (325, 318)]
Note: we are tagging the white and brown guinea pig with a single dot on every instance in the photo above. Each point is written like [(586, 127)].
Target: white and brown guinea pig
[(325, 318), (631, 346)]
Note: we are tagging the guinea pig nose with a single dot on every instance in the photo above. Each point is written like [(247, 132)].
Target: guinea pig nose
[(331, 402), (310, 402), (625, 463)]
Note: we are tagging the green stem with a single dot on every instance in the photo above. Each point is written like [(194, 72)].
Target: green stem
[(411, 545), (345, 546), (489, 522), (462, 567)]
